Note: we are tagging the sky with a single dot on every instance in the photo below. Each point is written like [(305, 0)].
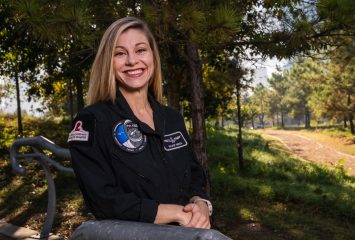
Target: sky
[(9, 105), (265, 68)]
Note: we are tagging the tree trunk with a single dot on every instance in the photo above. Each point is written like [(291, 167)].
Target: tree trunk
[(351, 117), (277, 120), (307, 118), (71, 102), (345, 119), (262, 116), (18, 100), (174, 89), (282, 120), (351, 123), (261, 120), (239, 138), (197, 107), (79, 91)]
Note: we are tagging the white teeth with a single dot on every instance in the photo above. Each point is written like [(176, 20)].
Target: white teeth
[(138, 71)]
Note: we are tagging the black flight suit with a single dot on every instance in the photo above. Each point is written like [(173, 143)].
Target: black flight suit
[(129, 185)]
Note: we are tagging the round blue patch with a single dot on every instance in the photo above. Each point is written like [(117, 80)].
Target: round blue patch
[(128, 137)]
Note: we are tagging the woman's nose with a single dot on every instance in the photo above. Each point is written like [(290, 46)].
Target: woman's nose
[(131, 59)]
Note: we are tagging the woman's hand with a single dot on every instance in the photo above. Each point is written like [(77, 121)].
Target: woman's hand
[(200, 215), (168, 213), (183, 218)]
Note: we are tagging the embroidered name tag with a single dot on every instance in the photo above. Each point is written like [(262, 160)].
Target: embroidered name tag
[(174, 141)]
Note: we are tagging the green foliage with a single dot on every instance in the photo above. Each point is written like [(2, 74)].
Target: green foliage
[(219, 93), (56, 41), (54, 129), (278, 103), (287, 195), (7, 134), (259, 101), (322, 88)]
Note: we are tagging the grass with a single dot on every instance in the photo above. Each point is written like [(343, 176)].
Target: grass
[(286, 197), (54, 129), (292, 199), (23, 199)]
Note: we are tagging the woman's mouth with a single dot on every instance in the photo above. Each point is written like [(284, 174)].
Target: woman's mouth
[(134, 73)]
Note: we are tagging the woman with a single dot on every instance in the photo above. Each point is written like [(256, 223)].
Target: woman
[(132, 156)]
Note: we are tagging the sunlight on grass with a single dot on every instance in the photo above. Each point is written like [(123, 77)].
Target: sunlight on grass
[(296, 233), (266, 191), (247, 214), (222, 170), (293, 196)]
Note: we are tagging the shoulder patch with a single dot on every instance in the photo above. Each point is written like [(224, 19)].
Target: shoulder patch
[(174, 141), (83, 130)]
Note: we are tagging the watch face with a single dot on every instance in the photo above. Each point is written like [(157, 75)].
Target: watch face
[(128, 137)]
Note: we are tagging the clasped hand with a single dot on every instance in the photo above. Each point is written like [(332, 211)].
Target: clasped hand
[(197, 215)]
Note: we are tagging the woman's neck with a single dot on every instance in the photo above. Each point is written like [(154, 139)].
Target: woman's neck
[(138, 102)]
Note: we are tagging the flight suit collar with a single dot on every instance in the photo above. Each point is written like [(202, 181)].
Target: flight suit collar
[(126, 112)]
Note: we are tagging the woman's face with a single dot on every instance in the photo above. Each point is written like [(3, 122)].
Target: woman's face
[(133, 62)]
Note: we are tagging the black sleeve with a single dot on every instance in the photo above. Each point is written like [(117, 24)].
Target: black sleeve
[(100, 187), (198, 175)]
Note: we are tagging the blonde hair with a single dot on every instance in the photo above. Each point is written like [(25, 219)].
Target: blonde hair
[(102, 85)]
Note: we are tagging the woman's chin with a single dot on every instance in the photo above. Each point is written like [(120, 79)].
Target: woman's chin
[(133, 87)]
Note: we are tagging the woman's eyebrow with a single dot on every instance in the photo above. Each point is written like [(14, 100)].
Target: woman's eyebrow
[(140, 43)]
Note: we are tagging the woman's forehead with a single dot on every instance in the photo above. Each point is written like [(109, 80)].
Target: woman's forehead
[(132, 37)]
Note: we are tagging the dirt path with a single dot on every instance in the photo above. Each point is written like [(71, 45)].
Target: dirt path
[(311, 150)]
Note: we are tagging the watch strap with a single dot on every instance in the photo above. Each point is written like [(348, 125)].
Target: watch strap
[(209, 204)]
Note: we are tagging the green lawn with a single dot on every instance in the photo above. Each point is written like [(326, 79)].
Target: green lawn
[(291, 199), (274, 197)]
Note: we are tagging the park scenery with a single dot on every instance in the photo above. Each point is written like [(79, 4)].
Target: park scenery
[(266, 89)]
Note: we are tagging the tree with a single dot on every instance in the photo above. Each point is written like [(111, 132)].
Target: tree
[(219, 92), (60, 35), (258, 99), (301, 77), (239, 75), (279, 104), (197, 27), (336, 89)]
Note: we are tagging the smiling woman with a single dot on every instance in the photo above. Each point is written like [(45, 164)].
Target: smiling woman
[(133, 61), (131, 155)]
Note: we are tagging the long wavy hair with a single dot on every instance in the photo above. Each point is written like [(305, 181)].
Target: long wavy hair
[(102, 85)]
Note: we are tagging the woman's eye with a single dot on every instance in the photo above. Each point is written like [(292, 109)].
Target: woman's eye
[(141, 50), (119, 54)]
